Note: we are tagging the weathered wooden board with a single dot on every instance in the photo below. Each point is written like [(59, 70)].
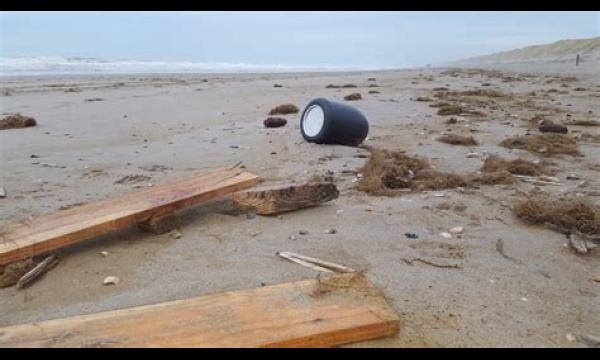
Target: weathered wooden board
[(276, 201), (51, 231), (311, 313)]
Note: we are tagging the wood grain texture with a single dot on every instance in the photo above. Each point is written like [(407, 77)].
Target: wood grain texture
[(51, 231), (276, 201), (311, 313)]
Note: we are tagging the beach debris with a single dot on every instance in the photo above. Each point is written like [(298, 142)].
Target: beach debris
[(432, 263), (565, 215), (547, 126), (578, 245), (570, 337), (340, 124), (539, 180), (250, 215), (38, 271), (446, 235), (12, 272), (314, 263), (303, 232), (132, 179), (154, 168), (353, 97), (273, 122), (500, 250), (345, 86), (175, 234), (93, 99), (589, 340), (496, 163), (372, 79), (2, 192), (348, 303), (160, 224), (457, 230), (374, 92), (454, 139), (472, 155), (573, 176), (292, 237), (450, 110), (410, 235), (331, 231), (21, 240), (104, 253), (391, 173), (423, 99), (277, 85), (284, 109), (584, 122), (544, 144), (275, 201), (15, 121), (52, 165), (111, 280)]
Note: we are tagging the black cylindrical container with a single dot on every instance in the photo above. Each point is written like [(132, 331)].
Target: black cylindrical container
[(329, 122)]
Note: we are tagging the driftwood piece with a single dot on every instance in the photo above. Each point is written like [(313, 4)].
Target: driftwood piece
[(314, 263), (328, 311), (52, 231), (428, 262), (276, 201), (38, 271), (500, 250)]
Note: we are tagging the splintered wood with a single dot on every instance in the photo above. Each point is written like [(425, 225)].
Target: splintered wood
[(311, 313), (276, 201), (52, 231)]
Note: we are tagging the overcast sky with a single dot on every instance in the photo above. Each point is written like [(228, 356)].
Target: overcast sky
[(381, 39)]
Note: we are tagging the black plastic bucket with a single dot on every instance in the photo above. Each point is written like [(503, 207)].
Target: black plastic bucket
[(329, 122)]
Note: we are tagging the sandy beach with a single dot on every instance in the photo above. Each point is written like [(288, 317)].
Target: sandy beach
[(95, 130)]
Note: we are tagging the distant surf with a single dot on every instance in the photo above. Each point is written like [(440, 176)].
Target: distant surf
[(46, 65)]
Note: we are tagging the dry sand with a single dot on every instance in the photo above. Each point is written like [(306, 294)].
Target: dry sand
[(168, 126)]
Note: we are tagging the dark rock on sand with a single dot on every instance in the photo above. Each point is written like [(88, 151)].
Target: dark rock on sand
[(352, 97), (274, 122), (550, 127)]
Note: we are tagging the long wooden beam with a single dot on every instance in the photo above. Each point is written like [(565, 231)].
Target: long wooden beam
[(311, 313), (55, 230)]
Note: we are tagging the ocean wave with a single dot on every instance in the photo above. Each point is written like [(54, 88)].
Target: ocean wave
[(10, 66)]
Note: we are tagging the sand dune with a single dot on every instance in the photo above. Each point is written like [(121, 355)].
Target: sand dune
[(560, 51)]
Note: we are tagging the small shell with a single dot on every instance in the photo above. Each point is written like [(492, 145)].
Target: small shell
[(457, 230), (446, 235), (111, 280)]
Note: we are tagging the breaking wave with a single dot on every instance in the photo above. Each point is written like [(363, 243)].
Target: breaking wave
[(11, 66)]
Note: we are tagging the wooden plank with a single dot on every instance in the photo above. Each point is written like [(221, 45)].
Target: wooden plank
[(276, 201), (311, 313), (51, 231)]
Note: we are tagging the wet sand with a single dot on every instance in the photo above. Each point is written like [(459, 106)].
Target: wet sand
[(99, 129)]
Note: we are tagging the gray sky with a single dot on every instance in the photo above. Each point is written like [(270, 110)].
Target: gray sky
[(380, 39)]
